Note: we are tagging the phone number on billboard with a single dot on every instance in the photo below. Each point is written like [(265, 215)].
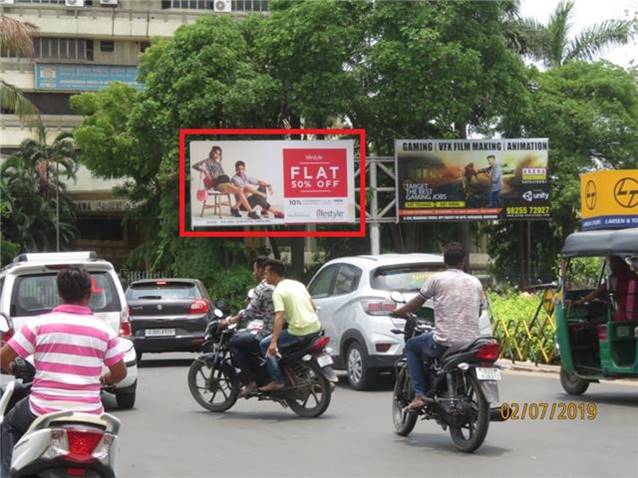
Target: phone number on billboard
[(527, 211)]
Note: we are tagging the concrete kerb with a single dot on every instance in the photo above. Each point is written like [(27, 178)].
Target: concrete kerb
[(528, 366)]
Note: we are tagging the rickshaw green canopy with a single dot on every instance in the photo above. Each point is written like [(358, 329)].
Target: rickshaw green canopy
[(620, 242)]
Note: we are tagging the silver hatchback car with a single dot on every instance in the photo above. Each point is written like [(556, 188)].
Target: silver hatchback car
[(353, 295)]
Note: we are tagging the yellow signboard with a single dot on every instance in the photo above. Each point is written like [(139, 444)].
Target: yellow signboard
[(609, 199)]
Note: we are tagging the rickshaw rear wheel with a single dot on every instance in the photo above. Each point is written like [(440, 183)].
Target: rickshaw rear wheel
[(572, 384)]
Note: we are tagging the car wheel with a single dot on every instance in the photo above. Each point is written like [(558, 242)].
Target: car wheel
[(360, 376), (125, 399)]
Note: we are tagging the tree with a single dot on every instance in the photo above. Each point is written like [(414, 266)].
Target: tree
[(551, 44), (15, 37), (589, 112), (32, 184)]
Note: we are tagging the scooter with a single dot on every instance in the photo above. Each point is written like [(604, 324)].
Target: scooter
[(61, 444)]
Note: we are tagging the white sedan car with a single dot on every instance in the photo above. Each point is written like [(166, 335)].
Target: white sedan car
[(353, 295)]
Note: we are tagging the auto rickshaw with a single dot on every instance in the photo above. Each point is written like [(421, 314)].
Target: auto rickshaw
[(597, 339)]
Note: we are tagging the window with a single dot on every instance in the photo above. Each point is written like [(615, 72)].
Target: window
[(60, 48), (163, 290), (322, 284), (38, 294), (101, 228), (585, 273), (107, 46), (347, 279), (404, 278)]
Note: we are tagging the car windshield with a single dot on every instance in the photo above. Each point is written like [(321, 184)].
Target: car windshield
[(162, 290), (38, 294), (404, 278)]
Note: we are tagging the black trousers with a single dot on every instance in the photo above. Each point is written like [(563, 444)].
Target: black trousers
[(258, 200), (15, 424), (245, 348)]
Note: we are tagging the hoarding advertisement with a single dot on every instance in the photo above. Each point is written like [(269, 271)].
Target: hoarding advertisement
[(257, 183), (465, 180), (609, 199)]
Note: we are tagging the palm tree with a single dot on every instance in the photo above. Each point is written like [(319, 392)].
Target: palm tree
[(15, 37), (31, 182), (551, 44)]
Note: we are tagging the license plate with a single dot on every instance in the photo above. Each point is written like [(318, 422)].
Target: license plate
[(324, 360), (159, 332), (488, 373)]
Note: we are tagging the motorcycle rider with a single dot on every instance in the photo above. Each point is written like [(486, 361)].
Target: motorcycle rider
[(246, 343), (458, 298), (293, 305), (69, 345)]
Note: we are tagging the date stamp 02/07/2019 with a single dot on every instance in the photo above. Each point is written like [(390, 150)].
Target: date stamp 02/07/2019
[(549, 411)]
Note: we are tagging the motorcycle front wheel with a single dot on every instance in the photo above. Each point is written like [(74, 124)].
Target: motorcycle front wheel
[(471, 435), (212, 386), (312, 397), (403, 421)]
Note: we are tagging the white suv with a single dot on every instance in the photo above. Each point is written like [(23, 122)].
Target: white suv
[(353, 295), (28, 288)]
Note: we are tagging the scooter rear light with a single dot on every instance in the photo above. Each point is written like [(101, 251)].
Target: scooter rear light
[(488, 353), (320, 344), (602, 332), (82, 443)]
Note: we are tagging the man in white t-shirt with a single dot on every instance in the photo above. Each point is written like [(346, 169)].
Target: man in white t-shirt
[(458, 298)]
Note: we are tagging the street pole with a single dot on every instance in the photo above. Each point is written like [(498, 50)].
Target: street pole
[(375, 236), (57, 206)]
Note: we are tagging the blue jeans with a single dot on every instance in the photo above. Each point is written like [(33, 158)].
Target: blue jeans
[(416, 349), (286, 339), (495, 199), (15, 424)]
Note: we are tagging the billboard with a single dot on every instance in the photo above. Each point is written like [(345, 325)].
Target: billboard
[(609, 199), (83, 77), (464, 180), (271, 182)]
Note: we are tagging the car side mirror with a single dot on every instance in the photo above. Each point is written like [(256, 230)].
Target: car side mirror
[(397, 297), (5, 323)]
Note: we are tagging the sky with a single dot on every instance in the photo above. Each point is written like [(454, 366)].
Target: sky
[(587, 13)]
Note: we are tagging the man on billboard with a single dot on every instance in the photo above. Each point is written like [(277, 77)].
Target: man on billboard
[(495, 173), (255, 190), (216, 178)]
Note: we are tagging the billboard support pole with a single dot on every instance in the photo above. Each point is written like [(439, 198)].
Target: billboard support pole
[(467, 243), (375, 236)]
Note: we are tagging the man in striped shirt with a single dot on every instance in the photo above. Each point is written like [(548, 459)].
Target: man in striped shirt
[(70, 346)]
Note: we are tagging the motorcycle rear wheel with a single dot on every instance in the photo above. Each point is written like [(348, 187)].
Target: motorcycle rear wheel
[(471, 435), (207, 382), (319, 393), (404, 422)]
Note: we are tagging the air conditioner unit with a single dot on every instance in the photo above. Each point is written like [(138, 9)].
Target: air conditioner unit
[(223, 6), (108, 2), (7, 2), (74, 3)]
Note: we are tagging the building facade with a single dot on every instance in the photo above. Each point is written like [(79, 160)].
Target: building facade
[(82, 45)]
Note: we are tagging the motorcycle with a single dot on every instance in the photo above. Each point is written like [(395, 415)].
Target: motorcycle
[(213, 377), (464, 379), (60, 444)]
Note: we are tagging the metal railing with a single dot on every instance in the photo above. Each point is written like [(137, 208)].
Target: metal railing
[(529, 340)]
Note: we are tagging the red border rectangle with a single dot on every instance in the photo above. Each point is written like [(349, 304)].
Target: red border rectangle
[(241, 233)]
